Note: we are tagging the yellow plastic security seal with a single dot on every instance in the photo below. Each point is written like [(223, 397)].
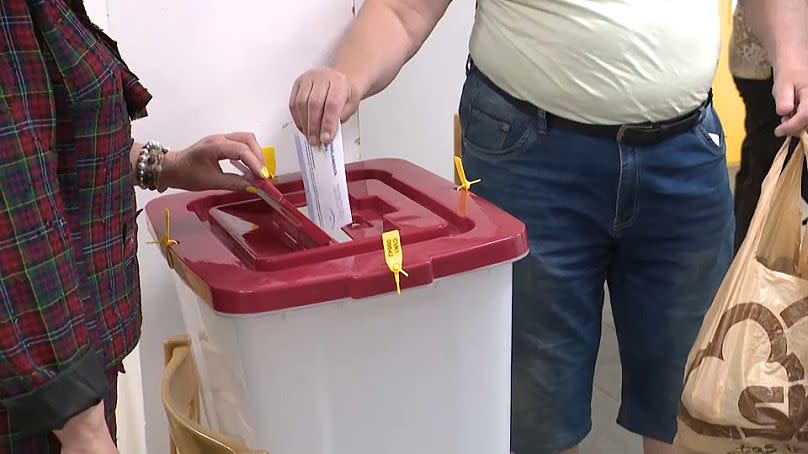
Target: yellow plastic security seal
[(270, 165), (465, 184), (394, 256), (166, 242)]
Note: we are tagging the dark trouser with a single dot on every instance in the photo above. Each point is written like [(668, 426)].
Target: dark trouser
[(757, 152), (47, 443)]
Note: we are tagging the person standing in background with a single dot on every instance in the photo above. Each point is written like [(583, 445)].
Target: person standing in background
[(592, 122), (69, 284), (753, 77)]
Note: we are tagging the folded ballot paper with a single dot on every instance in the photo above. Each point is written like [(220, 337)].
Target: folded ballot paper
[(324, 180)]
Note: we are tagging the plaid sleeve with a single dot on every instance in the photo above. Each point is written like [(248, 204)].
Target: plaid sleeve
[(48, 370)]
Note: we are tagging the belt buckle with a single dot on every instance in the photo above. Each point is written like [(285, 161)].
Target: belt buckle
[(626, 130)]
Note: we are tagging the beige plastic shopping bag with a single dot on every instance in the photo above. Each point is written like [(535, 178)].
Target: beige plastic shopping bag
[(745, 382)]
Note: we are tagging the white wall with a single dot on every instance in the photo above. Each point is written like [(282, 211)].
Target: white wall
[(214, 67), (97, 10)]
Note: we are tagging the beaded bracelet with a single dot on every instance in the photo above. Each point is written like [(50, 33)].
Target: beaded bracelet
[(150, 166)]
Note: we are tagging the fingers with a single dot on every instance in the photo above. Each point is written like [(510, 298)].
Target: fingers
[(332, 111), (246, 138), (783, 93), (238, 147), (293, 104), (227, 182), (252, 156), (794, 122), (316, 105), (301, 105), (320, 99)]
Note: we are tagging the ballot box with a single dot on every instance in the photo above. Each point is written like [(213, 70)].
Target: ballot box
[(391, 335)]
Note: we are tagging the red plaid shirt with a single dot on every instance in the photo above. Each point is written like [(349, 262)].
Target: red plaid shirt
[(69, 295)]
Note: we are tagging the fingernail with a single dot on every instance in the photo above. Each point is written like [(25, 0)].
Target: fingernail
[(251, 189), (325, 137), (264, 172)]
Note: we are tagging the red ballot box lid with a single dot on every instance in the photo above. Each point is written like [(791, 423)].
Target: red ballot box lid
[(248, 255)]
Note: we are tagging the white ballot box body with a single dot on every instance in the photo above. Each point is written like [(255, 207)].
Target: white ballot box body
[(302, 342)]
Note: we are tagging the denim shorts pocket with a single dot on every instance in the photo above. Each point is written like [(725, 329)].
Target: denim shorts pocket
[(710, 131), (491, 124)]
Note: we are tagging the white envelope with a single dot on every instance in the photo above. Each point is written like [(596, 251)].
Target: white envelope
[(325, 182)]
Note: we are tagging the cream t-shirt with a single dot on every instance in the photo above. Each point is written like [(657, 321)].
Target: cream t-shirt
[(601, 61)]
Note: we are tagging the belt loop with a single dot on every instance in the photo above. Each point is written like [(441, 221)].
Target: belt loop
[(704, 107), (621, 133), (541, 122)]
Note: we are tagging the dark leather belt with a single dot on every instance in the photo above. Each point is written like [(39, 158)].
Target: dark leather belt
[(631, 134)]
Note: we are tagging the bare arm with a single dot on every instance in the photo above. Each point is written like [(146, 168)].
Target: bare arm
[(782, 28), (780, 25), (382, 38)]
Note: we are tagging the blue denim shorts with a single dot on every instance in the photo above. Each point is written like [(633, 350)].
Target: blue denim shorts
[(655, 223)]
